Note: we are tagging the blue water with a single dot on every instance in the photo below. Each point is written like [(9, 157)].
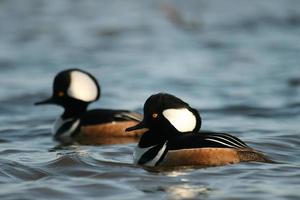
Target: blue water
[(237, 62)]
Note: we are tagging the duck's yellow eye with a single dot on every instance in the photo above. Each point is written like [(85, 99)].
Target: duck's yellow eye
[(154, 115), (60, 94)]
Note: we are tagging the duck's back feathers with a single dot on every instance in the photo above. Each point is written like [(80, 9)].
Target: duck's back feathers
[(205, 139), (99, 116)]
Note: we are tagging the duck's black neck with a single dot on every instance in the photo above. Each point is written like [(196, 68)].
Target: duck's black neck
[(74, 109), (151, 138), (156, 137)]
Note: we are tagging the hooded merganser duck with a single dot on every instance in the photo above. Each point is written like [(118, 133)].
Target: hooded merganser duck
[(173, 138), (74, 90)]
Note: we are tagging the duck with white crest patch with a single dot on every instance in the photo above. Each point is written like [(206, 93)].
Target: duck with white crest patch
[(173, 138), (74, 90)]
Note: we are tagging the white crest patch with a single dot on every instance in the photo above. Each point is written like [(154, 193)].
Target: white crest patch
[(82, 87), (182, 119)]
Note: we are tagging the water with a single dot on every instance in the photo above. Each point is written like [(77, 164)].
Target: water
[(237, 62)]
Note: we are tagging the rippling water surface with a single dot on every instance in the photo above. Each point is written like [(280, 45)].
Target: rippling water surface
[(237, 62)]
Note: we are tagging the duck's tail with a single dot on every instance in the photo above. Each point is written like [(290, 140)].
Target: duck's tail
[(248, 155)]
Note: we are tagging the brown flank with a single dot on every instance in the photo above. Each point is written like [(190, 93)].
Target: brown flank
[(211, 157)]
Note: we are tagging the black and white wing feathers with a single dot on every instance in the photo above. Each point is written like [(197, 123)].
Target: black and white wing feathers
[(204, 140)]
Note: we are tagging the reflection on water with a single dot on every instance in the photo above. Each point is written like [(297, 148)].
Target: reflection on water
[(236, 61), (187, 191)]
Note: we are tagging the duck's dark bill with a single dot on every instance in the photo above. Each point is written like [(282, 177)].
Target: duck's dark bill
[(47, 101), (141, 125)]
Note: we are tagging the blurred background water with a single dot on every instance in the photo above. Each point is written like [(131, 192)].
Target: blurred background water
[(236, 61)]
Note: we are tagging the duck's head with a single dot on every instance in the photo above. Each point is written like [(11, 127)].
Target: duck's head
[(169, 114), (72, 87)]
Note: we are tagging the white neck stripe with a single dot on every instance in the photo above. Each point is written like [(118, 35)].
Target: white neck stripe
[(65, 136), (139, 152)]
